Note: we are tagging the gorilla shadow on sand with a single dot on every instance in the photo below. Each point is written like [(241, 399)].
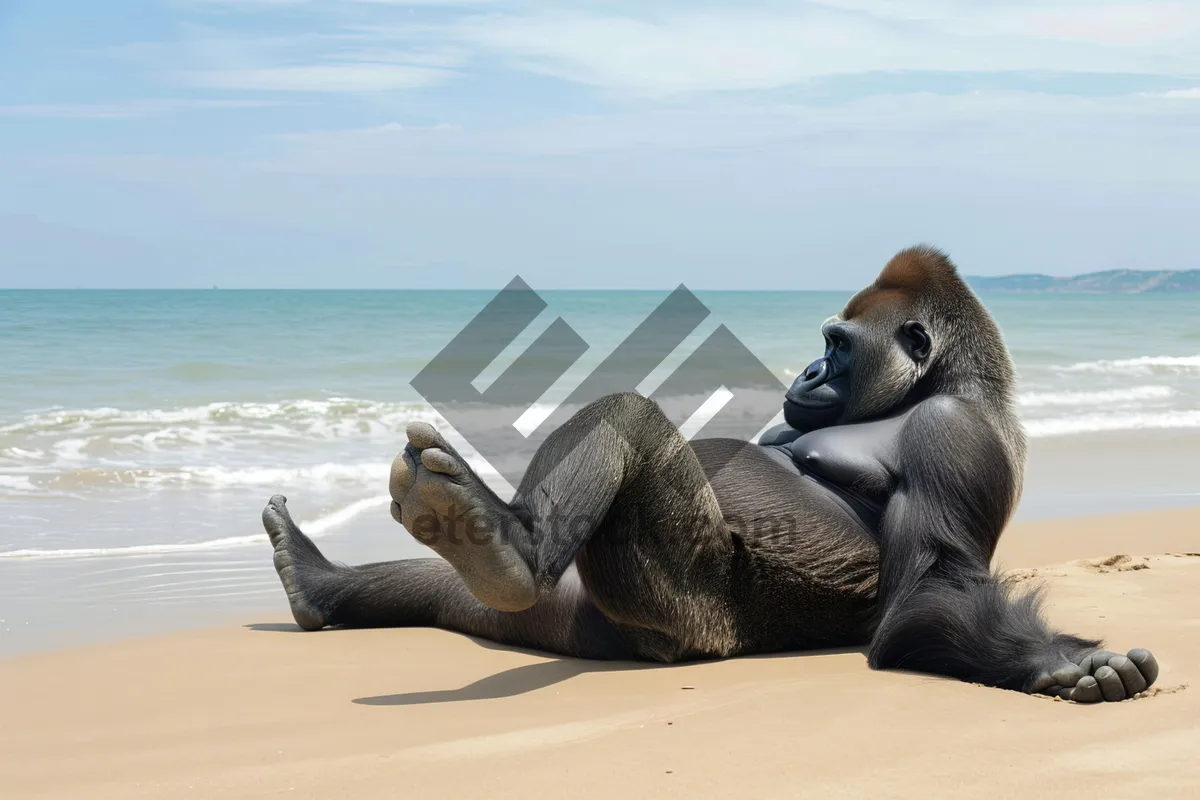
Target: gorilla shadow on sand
[(534, 677), (274, 627), (526, 678), (507, 683)]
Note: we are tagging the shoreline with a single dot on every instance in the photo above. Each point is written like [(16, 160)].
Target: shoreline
[(1023, 546), (258, 709), (57, 603)]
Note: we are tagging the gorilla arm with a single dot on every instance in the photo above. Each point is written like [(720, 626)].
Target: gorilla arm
[(942, 610), (780, 434)]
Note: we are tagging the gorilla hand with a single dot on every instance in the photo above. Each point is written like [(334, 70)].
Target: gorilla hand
[(779, 435), (1100, 676)]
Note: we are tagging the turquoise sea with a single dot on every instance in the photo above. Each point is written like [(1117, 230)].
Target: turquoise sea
[(142, 432)]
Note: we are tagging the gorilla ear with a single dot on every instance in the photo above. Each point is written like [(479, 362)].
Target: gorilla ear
[(919, 343)]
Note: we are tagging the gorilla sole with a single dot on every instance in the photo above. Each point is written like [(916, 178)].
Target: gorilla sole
[(870, 517)]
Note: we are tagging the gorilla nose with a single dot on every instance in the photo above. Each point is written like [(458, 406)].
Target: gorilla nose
[(816, 370)]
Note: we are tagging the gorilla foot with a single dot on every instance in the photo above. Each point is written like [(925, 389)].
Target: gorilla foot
[(299, 563), (1102, 676), (445, 506)]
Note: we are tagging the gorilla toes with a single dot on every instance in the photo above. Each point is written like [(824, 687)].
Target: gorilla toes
[(446, 507), (1101, 676), (402, 477), (422, 435), (426, 448), (299, 564)]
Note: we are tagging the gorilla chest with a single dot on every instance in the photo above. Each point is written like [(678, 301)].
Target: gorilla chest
[(854, 458)]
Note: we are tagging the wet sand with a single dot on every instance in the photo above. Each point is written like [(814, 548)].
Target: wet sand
[(262, 710), (56, 603)]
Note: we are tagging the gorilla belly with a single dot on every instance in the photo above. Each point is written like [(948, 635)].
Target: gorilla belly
[(768, 488)]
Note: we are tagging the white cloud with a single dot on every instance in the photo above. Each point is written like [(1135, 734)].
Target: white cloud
[(745, 49), (132, 109), (243, 4), (443, 57), (1122, 24), (1118, 22), (355, 77), (1126, 138), (662, 49), (423, 3), (1182, 94)]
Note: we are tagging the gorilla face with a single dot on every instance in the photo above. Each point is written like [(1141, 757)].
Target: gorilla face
[(871, 364)]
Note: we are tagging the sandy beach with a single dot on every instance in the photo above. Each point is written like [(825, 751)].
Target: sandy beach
[(262, 710)]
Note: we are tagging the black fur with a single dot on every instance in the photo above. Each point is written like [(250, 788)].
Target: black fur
[(873, 519)]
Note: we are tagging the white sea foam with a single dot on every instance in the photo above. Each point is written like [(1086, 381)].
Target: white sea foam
[(1106, 397), (1142, 365), (1099, 423), (19, 483), (369, 473), (135, 550), (214, 445), (71, 449), (340, 517), (215, 478), (313, 528), (328, 418)]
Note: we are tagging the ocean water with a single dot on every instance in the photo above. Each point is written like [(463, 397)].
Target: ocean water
[(142, 432)]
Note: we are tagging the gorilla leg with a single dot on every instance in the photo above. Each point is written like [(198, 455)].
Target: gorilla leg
[(425, 592), (617, 490)]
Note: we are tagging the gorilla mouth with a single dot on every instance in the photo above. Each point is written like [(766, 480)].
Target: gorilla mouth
[(816, 398), (810, 402), (819, 387)]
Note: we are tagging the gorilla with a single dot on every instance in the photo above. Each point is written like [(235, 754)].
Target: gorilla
[(869, 518)]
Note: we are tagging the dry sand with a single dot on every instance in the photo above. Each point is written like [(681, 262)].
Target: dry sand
[(266, 711)]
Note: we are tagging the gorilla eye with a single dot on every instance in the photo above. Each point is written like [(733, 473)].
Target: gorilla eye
[(919, 343)]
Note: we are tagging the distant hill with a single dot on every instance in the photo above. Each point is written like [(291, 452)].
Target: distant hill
[(1113, 281)]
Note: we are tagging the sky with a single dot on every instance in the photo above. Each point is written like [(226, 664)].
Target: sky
[(628, 144)]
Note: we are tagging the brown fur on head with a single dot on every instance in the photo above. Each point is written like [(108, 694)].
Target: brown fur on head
[(908, 276)]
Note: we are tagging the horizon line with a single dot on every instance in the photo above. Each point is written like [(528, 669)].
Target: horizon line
[(378, 289)]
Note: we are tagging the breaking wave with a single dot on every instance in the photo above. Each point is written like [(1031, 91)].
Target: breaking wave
[(314, 528), (213, 477), (1101, 423), (1103, 397), (207, 423), (1143, 365)]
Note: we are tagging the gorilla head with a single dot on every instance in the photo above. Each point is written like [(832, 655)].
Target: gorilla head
[(918, 330)]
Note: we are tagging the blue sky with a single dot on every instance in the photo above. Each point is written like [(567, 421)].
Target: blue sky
[(383, 143)]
